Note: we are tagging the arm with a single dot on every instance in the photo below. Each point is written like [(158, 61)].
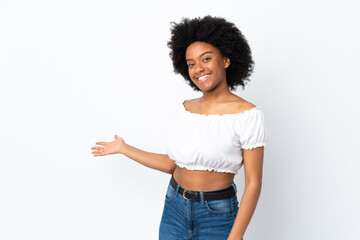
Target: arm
[(253, 164), (156, 161)]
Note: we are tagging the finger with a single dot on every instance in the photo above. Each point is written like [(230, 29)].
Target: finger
[(101, 143), (97, 148), (97, 154)]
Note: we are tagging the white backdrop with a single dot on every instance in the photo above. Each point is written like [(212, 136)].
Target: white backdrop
[(76, 72)]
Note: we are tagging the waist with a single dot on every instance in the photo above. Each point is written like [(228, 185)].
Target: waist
[(202, 180), (218, 194)]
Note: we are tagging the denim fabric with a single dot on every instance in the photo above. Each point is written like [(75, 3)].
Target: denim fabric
[(196, 220)]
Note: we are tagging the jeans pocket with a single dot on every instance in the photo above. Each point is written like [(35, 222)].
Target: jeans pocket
[(170, 194), (219, 206)]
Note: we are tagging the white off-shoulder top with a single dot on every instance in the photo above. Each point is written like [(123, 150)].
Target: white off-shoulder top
[(214, 142)]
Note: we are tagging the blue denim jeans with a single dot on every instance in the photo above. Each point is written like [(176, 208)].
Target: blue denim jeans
[(196, 220)]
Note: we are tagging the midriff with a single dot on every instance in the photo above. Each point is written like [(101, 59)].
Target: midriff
[(199, 180)]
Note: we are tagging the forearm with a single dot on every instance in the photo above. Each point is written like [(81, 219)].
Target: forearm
[(246, 210), (157, 161)]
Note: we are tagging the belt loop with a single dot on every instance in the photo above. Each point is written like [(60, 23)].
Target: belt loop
[(234, 186), (202, 197)]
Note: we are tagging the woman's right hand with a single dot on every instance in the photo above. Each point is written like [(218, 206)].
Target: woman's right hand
[(106, 148)]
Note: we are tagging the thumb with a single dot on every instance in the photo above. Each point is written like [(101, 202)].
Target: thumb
[(116, 136)]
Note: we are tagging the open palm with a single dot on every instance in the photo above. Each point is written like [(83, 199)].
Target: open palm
[(107, 148)]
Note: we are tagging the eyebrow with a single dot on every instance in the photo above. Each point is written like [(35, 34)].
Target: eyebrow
[(200, 55)]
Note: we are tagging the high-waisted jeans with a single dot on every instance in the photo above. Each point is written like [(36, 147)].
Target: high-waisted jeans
[(197, 220)]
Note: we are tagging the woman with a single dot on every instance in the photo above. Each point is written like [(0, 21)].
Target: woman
[(211, 137)]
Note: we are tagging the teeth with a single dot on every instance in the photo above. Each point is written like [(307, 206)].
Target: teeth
[(203, 77)]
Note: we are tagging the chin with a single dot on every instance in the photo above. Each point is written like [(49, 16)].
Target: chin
[(206, 89)]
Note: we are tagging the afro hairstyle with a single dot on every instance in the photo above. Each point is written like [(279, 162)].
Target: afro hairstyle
[(221, 34)]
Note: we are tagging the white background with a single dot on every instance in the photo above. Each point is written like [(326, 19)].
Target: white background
[(76, 72)]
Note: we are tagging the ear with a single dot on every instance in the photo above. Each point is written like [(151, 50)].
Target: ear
[(227, 62)]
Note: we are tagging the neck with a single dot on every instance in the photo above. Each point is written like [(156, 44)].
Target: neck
[(216, 95)]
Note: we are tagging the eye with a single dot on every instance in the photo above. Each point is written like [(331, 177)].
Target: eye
[(190, 65), (206, 59)]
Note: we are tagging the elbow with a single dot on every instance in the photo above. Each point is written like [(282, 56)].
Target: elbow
[(254, 185), (170, 166), (171, 169)]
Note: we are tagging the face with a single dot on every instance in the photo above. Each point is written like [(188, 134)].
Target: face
[(206, 66)]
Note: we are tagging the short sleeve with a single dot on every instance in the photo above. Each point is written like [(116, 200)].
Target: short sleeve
[(253, 130)]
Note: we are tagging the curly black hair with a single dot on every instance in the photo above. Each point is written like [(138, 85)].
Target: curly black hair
[(221, 34)]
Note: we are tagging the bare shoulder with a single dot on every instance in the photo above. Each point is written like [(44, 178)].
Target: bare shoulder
[(240, 105), (189, 103), (233, 104), (186, 103)]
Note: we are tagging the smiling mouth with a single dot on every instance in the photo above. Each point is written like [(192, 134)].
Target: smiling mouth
[(203, 78)]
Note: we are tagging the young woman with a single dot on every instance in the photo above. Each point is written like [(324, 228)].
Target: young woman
[(211, 137)]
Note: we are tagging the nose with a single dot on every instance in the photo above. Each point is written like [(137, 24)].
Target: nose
[(199, 68)]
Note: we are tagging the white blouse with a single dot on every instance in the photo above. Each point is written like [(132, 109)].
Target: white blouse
[(214, 142)]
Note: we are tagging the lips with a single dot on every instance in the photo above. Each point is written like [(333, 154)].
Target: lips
[(203, 78)]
